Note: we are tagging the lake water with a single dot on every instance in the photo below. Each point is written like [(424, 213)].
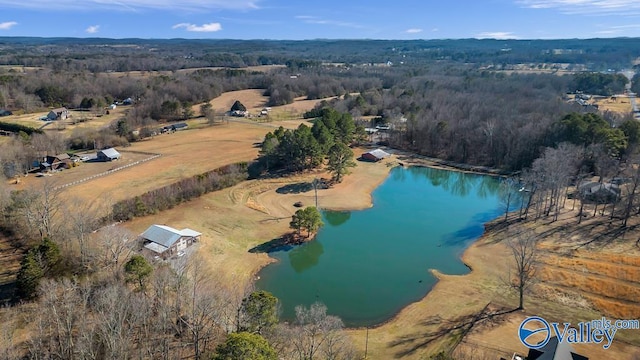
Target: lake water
[(367, 265)]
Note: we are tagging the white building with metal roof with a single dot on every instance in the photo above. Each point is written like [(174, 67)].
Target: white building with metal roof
[(166, 241)]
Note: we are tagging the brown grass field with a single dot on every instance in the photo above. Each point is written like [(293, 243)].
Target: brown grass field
[(255, 101), (578, 281), (619, 104), (78, 120)]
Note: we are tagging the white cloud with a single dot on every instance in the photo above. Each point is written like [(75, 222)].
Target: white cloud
[(586, 7), (499, 35), (413, 31), (318, 21), (7, 25), (211, 27), (93, 29), (132, 5)]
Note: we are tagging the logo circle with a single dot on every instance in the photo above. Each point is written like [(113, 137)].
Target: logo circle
[(532, 326)]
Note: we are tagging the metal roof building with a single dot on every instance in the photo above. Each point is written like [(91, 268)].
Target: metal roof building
[(165, 240)]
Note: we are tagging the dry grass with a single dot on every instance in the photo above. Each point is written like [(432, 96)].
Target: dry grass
[(78, 120), (621, 104), (575, 285), (252, 99)]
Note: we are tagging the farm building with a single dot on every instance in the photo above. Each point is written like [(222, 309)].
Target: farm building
[(58, 114), (109, 154), (174, 127), (60, 161), (555, 350), (375, 155), (166, 241)]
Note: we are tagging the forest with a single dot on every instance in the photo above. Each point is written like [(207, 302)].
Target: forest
[(449, 99)]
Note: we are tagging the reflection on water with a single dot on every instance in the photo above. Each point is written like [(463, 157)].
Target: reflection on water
[(305, 256), (336, 218), (367, 265)]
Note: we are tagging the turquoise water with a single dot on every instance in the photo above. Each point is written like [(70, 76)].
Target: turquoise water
[(367, 265)]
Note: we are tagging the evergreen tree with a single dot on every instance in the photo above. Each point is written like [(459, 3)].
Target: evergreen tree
[(260, 312), (340, 160), (245, 346), (138, 270)]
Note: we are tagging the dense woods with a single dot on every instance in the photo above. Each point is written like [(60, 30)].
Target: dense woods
[(445, 99)]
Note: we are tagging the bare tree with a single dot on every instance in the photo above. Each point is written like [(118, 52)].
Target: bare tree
[(114, 321), (524, 252), (8, 349), (115, 244), (633, 171), (65, 310), (313, 330), (507, 193), (200, 311), (82, 220)]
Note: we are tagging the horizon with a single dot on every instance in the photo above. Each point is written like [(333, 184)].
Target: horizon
[(330, 20), (311, 39)]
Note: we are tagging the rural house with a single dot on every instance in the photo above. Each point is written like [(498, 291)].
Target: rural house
[(165, 241), (555, 350), (109, 154), (599, 192), (60, 161), (375, 155), (58, 114)]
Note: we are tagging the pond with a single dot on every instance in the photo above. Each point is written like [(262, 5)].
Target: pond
[(367, 265)]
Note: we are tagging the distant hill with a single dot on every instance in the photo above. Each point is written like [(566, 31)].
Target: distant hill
[(598, 54)]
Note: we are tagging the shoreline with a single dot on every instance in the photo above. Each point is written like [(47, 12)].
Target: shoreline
[(407, 160)]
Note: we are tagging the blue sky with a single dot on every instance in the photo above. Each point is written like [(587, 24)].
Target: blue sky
[(327, 19)]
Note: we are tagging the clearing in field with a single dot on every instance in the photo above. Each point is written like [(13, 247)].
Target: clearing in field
[(78, 120)]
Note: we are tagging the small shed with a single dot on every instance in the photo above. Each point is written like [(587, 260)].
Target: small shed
[(165, 241), (375, 155), (109, 154), (179, 126)]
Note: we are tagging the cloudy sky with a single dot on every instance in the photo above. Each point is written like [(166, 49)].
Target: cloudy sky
[(328, 19)]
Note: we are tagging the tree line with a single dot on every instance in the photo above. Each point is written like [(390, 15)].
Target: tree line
[(135, 310), (307, 147), (174, 194)]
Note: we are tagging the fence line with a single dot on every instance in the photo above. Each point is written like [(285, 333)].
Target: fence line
[(107, 172)]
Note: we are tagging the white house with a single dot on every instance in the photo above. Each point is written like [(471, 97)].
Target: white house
[(166, 241), (58, 114)]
